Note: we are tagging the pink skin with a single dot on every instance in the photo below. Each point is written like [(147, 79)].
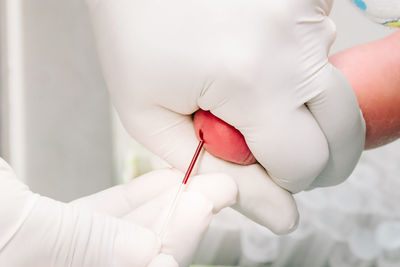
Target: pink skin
[(373, 70), (221, 139)]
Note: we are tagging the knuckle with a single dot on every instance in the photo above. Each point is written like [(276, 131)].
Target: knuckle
[(330, 30), (305, 167)]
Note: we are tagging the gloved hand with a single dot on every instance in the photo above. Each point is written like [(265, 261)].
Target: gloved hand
[(37, 231), (261, 66)]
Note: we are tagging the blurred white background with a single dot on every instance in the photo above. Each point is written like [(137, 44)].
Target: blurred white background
[(59, 133), (55, 112)]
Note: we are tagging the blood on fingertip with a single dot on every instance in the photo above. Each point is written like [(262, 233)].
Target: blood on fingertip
[(201, 136), (223, 140)]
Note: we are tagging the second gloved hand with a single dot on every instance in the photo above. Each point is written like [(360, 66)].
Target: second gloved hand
[(104, 229), (149, 198)]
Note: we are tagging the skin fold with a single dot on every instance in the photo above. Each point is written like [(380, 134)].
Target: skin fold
[(373, 70)]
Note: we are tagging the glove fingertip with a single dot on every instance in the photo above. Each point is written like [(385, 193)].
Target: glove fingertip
[(221, 189), (228, 194), (197, 202), (288, 225)]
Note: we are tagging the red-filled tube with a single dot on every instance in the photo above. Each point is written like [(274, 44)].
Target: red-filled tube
[(194, 159)]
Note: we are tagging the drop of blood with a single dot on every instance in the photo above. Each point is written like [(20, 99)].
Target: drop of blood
[(221, 139)]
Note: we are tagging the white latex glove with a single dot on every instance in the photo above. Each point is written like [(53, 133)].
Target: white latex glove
[(37, 231), (261, 66)]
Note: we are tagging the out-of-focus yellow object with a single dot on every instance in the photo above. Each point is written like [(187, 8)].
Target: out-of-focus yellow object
[(385, 12), (394, 23)]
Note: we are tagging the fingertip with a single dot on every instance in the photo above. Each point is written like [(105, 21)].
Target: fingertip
[(221, 139), (221, 189), (196, 203), (289, 216), (268, 204), (289, 223), (230, 189), (287, 219)]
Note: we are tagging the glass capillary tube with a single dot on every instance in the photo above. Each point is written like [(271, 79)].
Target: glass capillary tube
[(181, 188)]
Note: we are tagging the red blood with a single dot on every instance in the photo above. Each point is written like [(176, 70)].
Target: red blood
[(194, 159), (221, 139)]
